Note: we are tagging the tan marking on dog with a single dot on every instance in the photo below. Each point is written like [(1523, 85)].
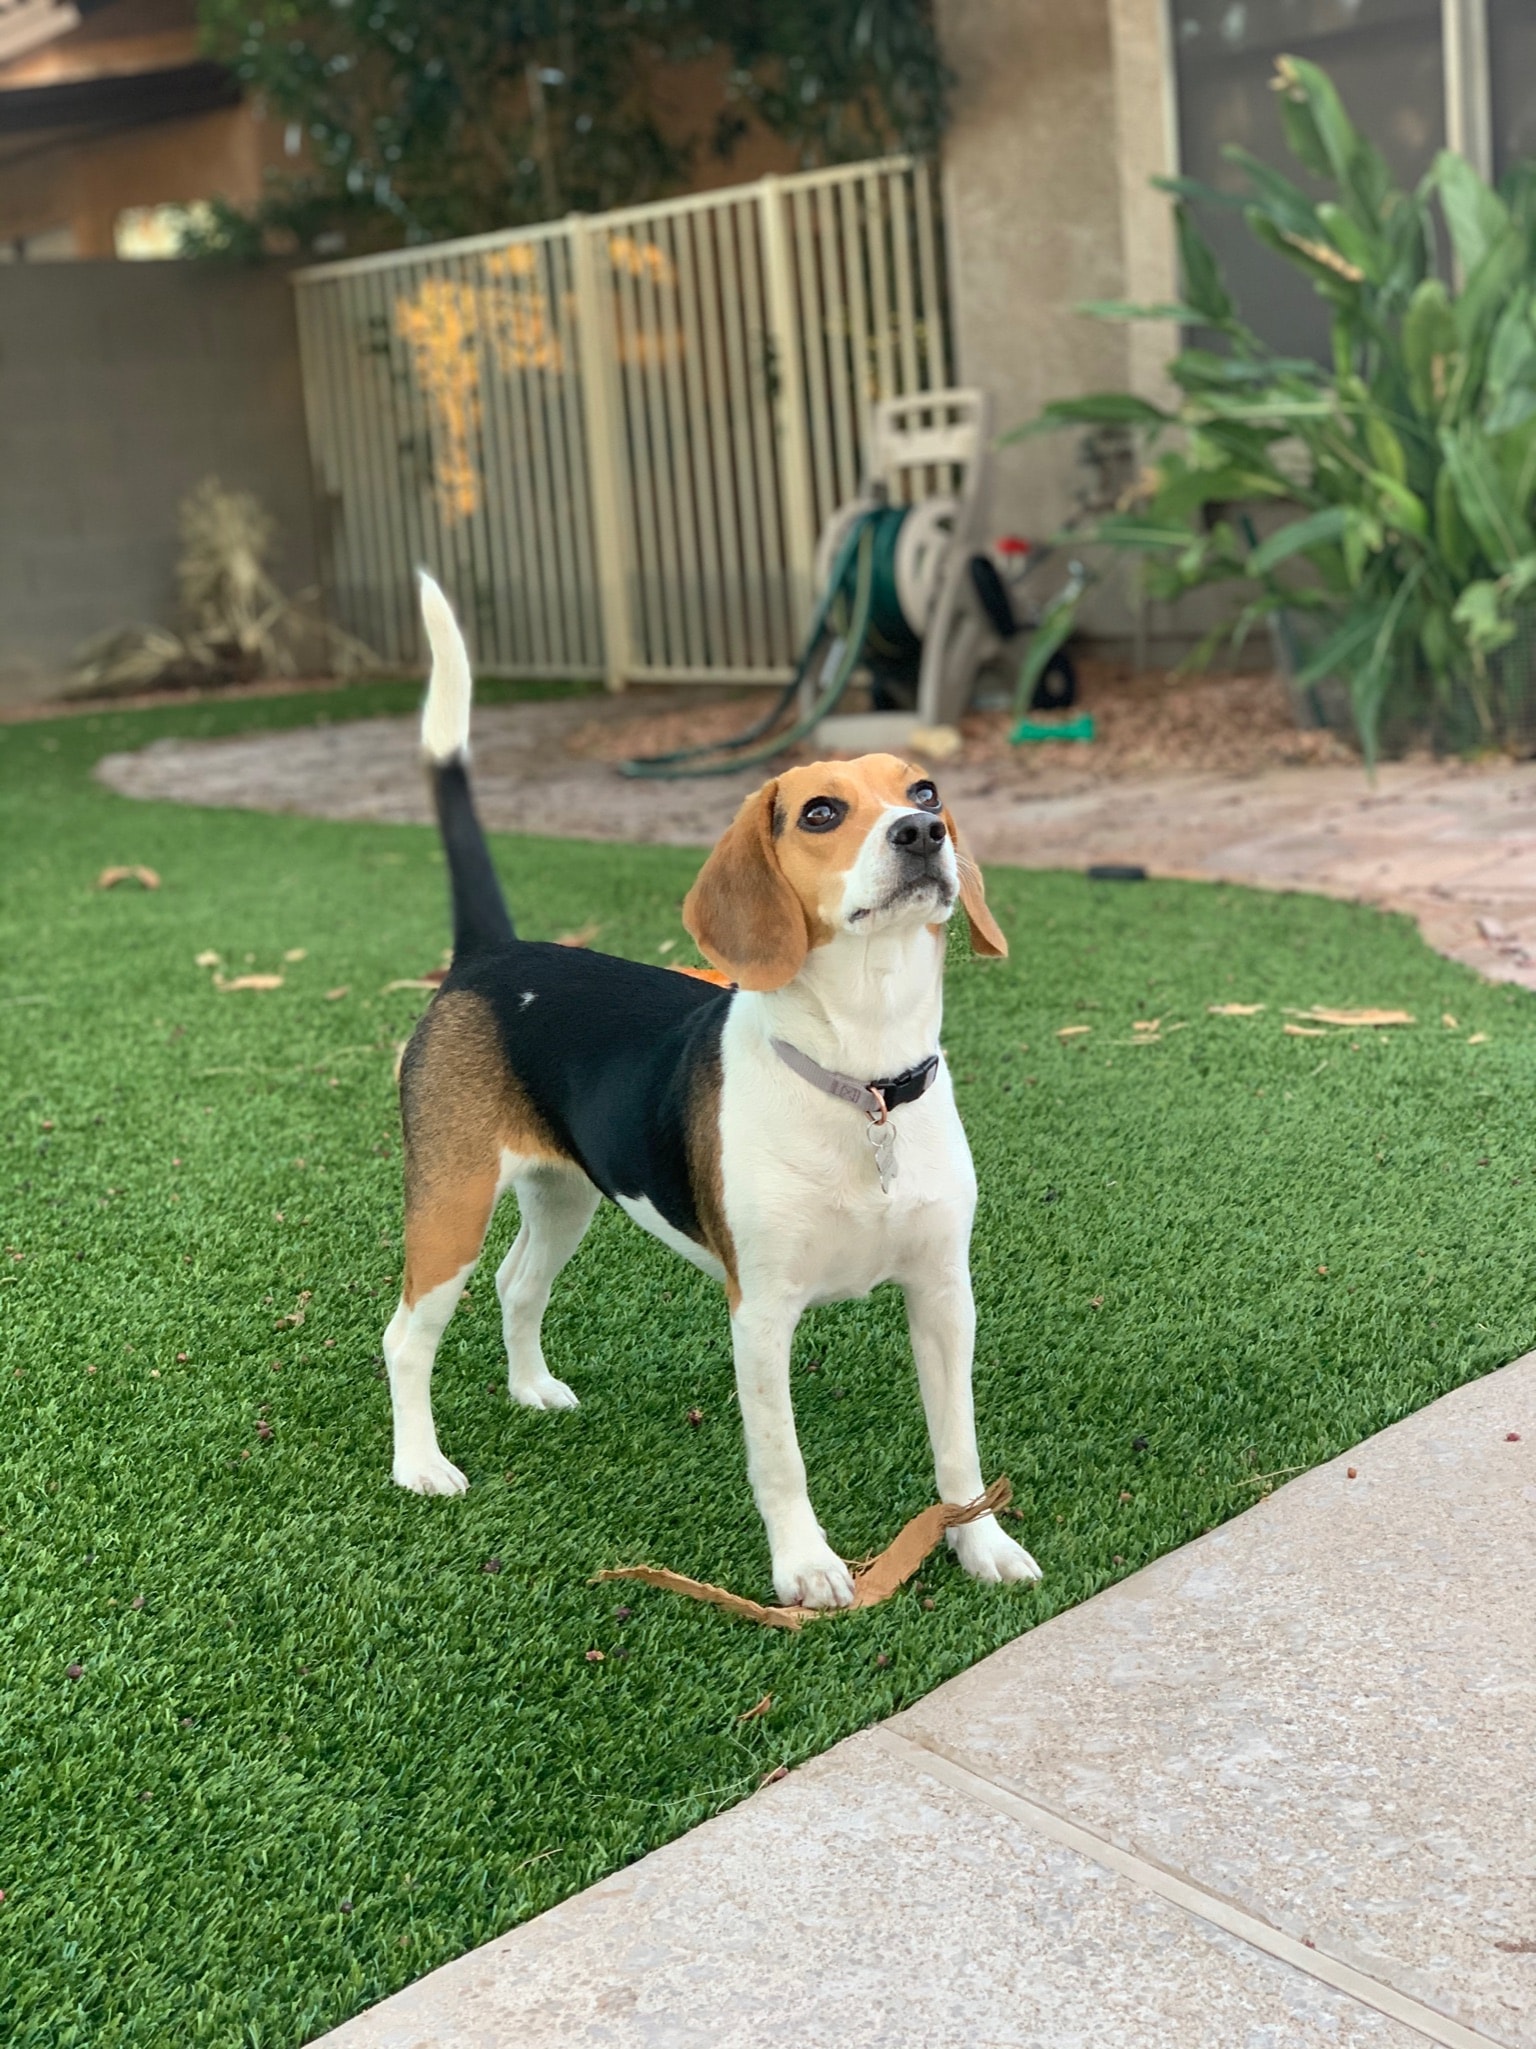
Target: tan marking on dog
[(705, 1174), (769, 893), (461, 1107)]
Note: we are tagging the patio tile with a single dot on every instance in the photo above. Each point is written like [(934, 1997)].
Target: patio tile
[(1324, 1711), (864, 1905)]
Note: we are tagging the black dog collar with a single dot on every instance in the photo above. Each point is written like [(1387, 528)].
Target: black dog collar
[(875, 1098)]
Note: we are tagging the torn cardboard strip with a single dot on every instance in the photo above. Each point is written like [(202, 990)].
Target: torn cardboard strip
[(873, 1582)]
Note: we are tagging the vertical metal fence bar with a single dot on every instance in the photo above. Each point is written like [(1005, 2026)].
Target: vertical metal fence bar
[(589, 601), (735, 262), (353, 507), (762, 393), (901, 237), (935, 327), (707, 525), (810, 352), (797, 493), (708, 229), (546, 343), (506, 643), (640, 508), (834, 320), (879, 285), (858, 312), (374, 313), (600, 403), (532, 520), (679, 442)]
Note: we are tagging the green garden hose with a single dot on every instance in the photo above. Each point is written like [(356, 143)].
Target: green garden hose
[(863, 580)]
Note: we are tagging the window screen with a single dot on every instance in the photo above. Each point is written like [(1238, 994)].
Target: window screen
[(1385, 57), (1512, 81)]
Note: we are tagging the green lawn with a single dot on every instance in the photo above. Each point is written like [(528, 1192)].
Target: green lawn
[(318, 1746)]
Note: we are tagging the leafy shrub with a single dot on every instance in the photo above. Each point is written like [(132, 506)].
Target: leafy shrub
[(1409, 463)]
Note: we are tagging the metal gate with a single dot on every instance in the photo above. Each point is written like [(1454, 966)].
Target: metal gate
[(615, 437)]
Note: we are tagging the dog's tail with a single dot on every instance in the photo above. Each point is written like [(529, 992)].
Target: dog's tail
[(481, 921)]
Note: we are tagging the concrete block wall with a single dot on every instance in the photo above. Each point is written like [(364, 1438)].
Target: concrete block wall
[(121, 386)]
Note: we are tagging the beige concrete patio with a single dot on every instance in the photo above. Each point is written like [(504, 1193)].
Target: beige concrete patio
[(1272, 1791), (1452, 844)]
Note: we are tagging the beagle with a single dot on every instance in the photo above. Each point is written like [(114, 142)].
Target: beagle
[(795, 1136)]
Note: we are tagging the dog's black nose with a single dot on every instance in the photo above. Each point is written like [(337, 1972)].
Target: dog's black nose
[(919, 833)]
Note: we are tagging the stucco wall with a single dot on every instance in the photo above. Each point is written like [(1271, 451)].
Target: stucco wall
[(1061, 116), (121, 386)]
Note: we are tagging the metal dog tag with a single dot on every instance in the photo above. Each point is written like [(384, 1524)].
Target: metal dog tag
[(882, 1138)]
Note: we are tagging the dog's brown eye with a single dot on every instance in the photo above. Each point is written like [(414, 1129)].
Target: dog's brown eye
[(823, 814), (925, 795)]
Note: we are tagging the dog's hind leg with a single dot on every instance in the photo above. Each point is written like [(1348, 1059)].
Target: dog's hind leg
[(444, 1230), (557, 1204)]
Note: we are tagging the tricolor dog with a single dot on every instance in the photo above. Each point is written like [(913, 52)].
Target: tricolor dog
[(795, 1137)]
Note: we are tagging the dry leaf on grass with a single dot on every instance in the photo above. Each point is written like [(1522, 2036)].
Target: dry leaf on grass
[(753, 1713), (1145, 1024), (297, 953), (295, 1316), (412, 982), (335, 995), (1234, 1009), (1073, 1031), (1478, 1039), (209, 959), (109, 878), (582, 936), (1319, 1014), (247, 982), (1304, 1031), (872, 1584)]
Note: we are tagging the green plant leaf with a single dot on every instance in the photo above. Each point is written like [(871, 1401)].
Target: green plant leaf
[(1429, 341), (1186, 490), (1299, 537), (1480, 615), (1338, 654), (1095, 409), (1053, 632), (1474, 212), (1386, 449), (1499, 526), (1368, 253), (1129, 530), (1273, 193), (1203, 288), (1129, 309), (1453, 537)]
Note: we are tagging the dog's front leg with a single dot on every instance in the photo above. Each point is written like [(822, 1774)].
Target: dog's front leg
[(807, 1572), (941, 1315)]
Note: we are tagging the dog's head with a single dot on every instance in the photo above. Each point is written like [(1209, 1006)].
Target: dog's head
[(839, 850)]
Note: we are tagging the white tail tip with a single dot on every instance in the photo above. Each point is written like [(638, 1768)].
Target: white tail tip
[(445, 715)]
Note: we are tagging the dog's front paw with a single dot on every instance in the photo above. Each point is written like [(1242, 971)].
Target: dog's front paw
[(428, 1473), (813, 1577), (990, 1554), (545, 1392)]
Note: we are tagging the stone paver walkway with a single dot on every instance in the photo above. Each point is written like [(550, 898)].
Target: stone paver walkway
[(1272, 1791), (1452, 845)]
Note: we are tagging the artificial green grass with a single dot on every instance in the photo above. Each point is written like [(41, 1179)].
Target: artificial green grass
[(320, 1743)]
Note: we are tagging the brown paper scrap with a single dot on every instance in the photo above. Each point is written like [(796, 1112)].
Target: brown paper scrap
[(872, 1583)]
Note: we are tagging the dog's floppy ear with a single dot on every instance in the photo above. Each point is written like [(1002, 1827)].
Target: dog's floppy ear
[(986, 936), (741, 912)]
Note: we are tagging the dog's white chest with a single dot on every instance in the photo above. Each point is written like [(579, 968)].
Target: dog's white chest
[(804, 1187)]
